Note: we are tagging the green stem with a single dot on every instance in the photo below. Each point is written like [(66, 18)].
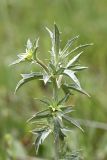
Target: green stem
[(42, 64), (55, 90), (56, 136), (57, 148)]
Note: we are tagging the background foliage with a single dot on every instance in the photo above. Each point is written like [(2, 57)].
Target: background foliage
[(22, 19)]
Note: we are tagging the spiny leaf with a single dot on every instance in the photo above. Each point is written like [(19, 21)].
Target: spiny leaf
[(59, 81), (80, 47), (67, 109), (39, 130), (69, 43), (40, 138), (46, 77), (17, 61), (39, 115), (60, 70), (71, 74), (78, 68), (73, 60), (52, 67), (52, 41), (56, 39), (35, 46), (76, 88), (64, 99), (50, 33), (44, 101), (27, 78), (72, 121), (65, 89), (56, 128), (58, 125), (29, 44)]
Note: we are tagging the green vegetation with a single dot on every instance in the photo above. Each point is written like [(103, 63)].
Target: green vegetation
[(51, 120), (22, 19)]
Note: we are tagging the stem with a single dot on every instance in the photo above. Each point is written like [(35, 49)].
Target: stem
[(57, 148), (56, 128), (56, 139), (42, 64), (55, 90)]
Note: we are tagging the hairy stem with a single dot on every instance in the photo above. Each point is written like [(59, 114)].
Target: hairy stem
[(42, 64), (55, 90), (56, 133), (57, 148)]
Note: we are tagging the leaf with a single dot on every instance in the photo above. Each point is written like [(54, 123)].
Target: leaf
[(76, 88), (17, 61), (52, 41), (80, 46), (44, 101), (46, 77), (67, 109), (69, 43), (35, 46), (64, 99), (29, 44), (55, 43), (28, 77), (56, 129), (41, 137), (70, 120), (65, 89), (73, 60), (50, 33), (71, 74), (79, 68), (52, 67), (60, 70), (59, 81), (58, 125), (42, 114), (65, 130), (56, 39)]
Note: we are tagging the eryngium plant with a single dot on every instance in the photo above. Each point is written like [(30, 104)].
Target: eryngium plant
[(55, 119)]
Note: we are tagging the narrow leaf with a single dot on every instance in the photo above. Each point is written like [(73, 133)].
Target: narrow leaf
[(45, 101), (39, 115), (79, 68), (80, 47), (67, 109), (27, 78), (52, 67), (69, 43), (77, 88), (29, 44), (71, 74), (56, 39), (60, 70), (50, 33), (52, 41), (35, 46), (46, 77), (59, 81), (64, 99), (40, 139), (73, 60), (17, 61), (72, 121)]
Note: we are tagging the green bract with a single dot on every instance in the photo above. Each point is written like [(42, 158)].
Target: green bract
[(57, 118)]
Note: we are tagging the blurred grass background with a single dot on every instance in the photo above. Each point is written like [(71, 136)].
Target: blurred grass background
[(20, 20)]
